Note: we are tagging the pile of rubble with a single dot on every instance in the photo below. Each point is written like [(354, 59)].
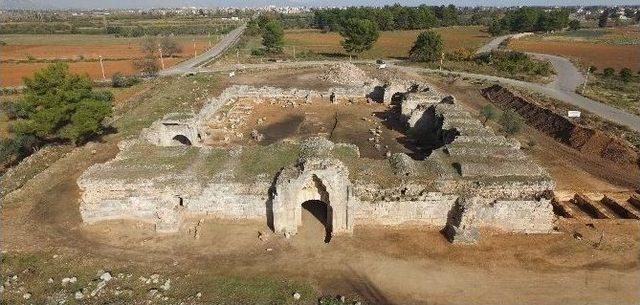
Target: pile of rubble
[(346, 74)]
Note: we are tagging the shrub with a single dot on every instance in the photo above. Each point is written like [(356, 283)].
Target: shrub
[(149, 65), (489, 113), (511, 122), (273, 36), (593, 69), (574, 24), (119, 80), (169, 46), (626, 75), (608, 72), (258, 51)]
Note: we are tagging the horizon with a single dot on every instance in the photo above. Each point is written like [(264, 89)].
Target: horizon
[(170, 4)]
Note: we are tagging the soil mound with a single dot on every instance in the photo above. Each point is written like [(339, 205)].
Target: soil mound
[(583, 138), (346, 74)]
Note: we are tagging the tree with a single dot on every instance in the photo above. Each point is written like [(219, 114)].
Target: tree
[(148, 65), (149, 45), (626, 75), (272, 36), (359, 35), (603, 19), (428, 47), (574, 24), (593, 69), (170, 46), (608, 72), (58, 105), (489, 113), (511, 122)]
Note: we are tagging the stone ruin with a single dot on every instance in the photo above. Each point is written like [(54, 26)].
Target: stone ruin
[(472, 179)]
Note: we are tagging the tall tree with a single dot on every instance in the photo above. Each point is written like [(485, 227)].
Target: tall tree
[(603, 19), (428, 47), (273, 36), (58, 105), (359, 35)]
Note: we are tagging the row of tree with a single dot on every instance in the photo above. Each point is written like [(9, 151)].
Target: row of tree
[(395, 17), (530, 19)]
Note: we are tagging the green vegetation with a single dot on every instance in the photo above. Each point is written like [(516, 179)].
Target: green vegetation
[(186, 282), (60, 106), (515, 63), (428, 47), (604, 18), (574, 24), (511, 122), (272, 36), (621, 90), (530, 19), (489, 113), (119, 80), (359, 35), (388, 18), (261, 160)]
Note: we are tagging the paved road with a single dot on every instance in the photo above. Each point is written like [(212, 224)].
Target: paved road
[(563, 87), (190, 65)]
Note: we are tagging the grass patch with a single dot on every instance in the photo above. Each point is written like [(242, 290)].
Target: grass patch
[(34, 269), (261, 160), (615, 92), (176, 94)]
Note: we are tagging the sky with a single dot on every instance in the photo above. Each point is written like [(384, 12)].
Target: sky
[(89, 4)]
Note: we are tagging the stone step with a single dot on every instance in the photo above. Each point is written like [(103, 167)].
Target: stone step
[(621, 208), (592, 207), (566, 209), (635, 201)]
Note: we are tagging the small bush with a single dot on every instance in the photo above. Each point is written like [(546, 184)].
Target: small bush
[(626, 75), (608, 72), (258, 52), (119, 80), (489, 113), (511, 122)]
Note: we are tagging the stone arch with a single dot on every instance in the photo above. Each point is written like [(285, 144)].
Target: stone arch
[(181, 140), (327, 182)]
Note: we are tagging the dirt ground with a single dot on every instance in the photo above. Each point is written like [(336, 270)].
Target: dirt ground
[(411, 264)]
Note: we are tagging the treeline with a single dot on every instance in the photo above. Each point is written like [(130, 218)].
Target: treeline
[(395, 17), (119, 30), (530, 19), (138, 31)]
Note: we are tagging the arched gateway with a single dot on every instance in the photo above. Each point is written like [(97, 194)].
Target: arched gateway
[(324, 180)]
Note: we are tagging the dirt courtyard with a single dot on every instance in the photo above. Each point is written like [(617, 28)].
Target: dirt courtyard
[(584, 262)]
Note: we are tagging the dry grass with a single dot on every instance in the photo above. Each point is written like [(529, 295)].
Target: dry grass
[(390, 44)]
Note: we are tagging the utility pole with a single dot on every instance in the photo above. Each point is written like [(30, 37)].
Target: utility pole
[(586, 79), (195, 53), (294, 52), (161, 58), (238, 56), (104, 77), (441, 60)]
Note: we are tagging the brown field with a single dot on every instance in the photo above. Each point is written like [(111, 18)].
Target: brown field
[(390, 44), (587, 53), (11, 74), (84, 50)]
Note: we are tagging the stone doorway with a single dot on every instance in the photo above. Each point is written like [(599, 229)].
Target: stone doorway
[(181, 140), (316, 221)]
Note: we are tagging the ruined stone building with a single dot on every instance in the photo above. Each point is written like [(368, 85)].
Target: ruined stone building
[(181, 167)]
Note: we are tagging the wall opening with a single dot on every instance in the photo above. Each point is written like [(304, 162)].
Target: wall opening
[(316, 220), (181, 140)]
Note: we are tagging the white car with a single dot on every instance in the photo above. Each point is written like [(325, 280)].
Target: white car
[(381, 64)]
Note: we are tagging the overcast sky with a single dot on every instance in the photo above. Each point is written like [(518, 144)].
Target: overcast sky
[(252, 3)]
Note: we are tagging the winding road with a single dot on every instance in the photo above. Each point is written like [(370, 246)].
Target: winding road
[(563, 87)]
